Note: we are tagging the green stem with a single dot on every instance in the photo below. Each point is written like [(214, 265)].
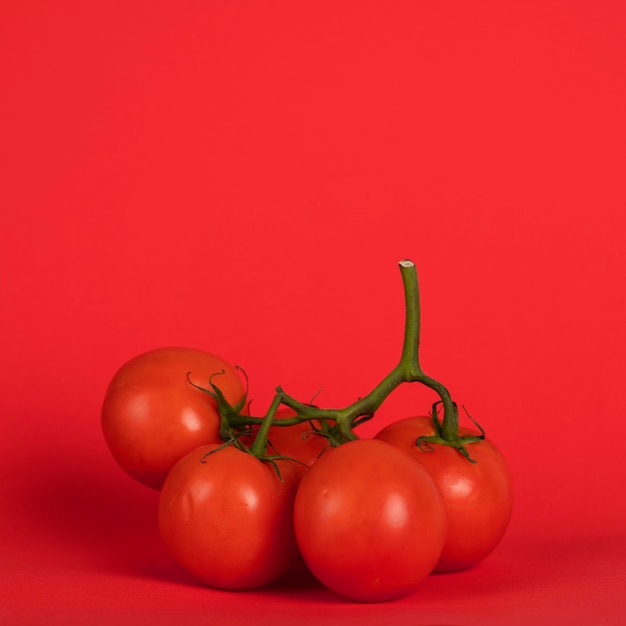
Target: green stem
[(259, 445), (408, 370), (412, 320), (450, 424), (410, 352)]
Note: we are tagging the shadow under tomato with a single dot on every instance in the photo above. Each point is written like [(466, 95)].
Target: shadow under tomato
[(79, 510)]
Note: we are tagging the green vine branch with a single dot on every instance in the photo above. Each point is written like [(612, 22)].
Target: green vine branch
[(340, 423)]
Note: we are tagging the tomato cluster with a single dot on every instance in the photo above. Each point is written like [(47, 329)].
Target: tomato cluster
[(242, 498)]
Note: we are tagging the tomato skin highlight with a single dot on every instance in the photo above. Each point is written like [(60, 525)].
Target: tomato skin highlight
[(369, 521), (227, 518), (478, 496), (152, 416)]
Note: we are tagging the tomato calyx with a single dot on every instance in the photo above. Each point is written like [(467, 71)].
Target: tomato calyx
[(264, 458), (425, 442), (258, 448), (226, 410), (260, 443)]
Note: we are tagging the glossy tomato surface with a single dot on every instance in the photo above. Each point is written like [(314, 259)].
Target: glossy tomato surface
[(370, 521), (478, 496), (227, 517), (152, 416)]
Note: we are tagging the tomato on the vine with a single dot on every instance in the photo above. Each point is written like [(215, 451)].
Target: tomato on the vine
[(478, 496), (370, 521), (152, 415), (371, 518), (227, 517)]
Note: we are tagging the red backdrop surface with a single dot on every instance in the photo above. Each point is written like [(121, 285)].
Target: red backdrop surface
[(243, 177)]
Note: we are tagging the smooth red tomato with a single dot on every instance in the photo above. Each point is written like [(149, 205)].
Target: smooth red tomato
[(370, 521), (152, 416), (479, 496), (227, 517), (298, 441)]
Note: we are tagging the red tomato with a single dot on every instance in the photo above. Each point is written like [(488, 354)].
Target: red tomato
[(370, 522), (479, 496), (152, 416), (227, 518), (298, 441)]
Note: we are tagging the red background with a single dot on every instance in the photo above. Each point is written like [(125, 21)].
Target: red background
[(243, 177)]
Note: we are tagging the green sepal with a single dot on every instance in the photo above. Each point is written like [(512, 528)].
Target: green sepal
[(425, 443), (224, 408)]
